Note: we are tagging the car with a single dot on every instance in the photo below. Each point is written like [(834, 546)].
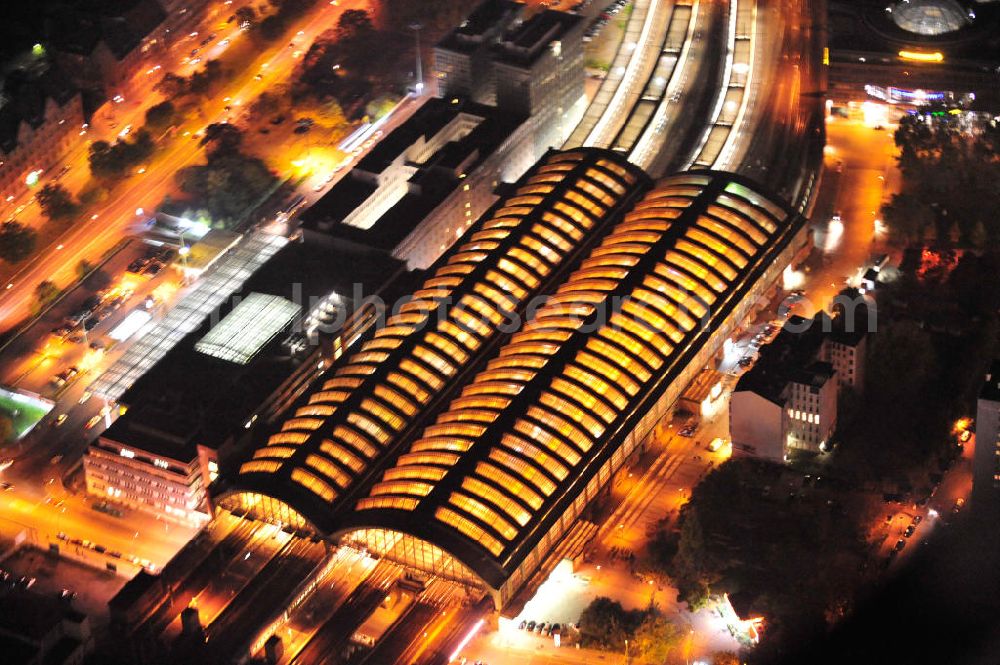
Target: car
[(531, 626), (258, 77), (85, 396), (555, 629), (900, 544), (301, 129), (959, 503), (93, 422), (264, 130), (524, 622), (540, 628), (67, 595), (55, 459), (917, 519), (687, 431), (277, 120), (61, 331), (909, 531), (745, 361), (60, 419)]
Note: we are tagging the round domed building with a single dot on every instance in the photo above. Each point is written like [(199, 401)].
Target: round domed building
[(914, 51), (930, 17)]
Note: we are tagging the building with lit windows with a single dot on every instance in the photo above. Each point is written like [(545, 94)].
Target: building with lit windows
[(41, 116), (986, 460), (463, 59), (359, 413), (912, 52), (425, 183), (527, 429), (539, 73), (789, 399), (230, 371)]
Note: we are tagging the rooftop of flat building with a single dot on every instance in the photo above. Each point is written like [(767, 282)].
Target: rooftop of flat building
[(485, 21), (793, 351), (432, 181), (525, 43), (991, 386), (192, 397)]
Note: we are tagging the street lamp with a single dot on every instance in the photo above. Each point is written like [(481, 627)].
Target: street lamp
[(418, 85)]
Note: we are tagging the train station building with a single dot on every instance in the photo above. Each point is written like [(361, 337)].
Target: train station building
[(469, 437)]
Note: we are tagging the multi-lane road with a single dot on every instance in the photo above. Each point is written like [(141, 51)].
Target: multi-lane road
[(91, 237), (696, 83)]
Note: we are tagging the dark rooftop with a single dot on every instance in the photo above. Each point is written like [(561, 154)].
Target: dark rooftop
[(433, 181), (991, 387), (191, 398), (524, 44), (32, 616), (864, 25), (485, 22), (792, 352), (25, 93)]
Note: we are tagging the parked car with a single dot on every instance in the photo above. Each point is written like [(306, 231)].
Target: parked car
[(909, 531), (900, 544)]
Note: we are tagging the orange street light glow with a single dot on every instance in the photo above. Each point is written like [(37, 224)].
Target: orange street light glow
[(918, 56)]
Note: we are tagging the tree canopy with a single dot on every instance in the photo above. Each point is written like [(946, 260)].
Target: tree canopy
[(56, 202), (17, 241)]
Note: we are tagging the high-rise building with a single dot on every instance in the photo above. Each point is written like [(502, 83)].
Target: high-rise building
[(539, 73), (459, 449), (463, 62), (986, 460)]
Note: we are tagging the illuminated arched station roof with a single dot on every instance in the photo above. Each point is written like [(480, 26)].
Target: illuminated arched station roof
[(349, 423), (501, 466)]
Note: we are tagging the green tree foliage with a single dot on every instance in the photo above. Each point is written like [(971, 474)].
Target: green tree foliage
[(84, 268), (798, 557), (606, 624), (17, 241), (45, 293), (227, 185), (56, 202), (725, 658), (274, 25), (908, 218), (222, 138), (246, 17), (950, 169), (656, 639), (354, 24), (109, 161), (161, 116), (6, 428)]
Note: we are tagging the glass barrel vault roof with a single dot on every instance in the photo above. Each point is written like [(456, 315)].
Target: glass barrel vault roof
[(485, 477), (350, 421)]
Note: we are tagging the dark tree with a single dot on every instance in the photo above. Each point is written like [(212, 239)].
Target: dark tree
[(17, 241), (222, 138), (161, 116), (353, 25), (45, 293), (56, 202), (172, 85)]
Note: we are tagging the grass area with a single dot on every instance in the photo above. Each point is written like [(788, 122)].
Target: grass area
[(24, 412)]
